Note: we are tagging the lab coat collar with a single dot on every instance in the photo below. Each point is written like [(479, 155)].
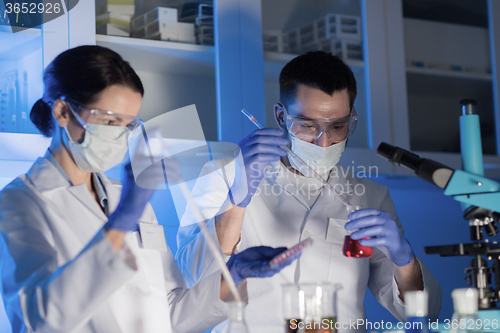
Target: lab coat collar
[(277, 173), (45, 176), (113, 191), (48, 180), (341, 180)]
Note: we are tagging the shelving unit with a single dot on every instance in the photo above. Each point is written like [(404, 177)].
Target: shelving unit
[(163, 56), (434, 93), (274, 62), (449, 73)]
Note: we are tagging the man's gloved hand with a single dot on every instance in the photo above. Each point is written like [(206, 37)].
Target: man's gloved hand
[(258, 149), (383, 231), (254, 262)]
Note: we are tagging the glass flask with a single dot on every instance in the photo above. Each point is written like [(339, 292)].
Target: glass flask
[(352, 248), (310, 307), (236, 323), (465, 305), (416, 311)]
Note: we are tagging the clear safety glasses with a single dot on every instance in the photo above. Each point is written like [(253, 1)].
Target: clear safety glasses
[(310, 129), (90, 117)]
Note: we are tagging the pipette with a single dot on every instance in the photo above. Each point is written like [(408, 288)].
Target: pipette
[(304, 164), (206, 233)]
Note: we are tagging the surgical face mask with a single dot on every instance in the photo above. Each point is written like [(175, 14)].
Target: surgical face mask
[(102, 148), (320, 159)]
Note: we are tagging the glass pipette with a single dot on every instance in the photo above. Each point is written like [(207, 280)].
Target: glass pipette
[(216, 252), (304, 164)]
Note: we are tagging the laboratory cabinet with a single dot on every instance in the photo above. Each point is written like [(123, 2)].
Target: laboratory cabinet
[(447, 57), (237, 73)]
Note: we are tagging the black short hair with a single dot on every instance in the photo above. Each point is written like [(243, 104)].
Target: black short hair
[(316, 69), (80, 74)]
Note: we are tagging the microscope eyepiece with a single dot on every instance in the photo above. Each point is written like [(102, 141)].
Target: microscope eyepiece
[(428, 170)]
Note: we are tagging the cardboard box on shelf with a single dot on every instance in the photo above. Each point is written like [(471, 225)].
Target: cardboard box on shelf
[(123, 7), (118, 20)]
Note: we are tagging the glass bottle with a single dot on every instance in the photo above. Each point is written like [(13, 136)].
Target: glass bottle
[(416, 311), (465, 305), (236, 323), (10, 99)]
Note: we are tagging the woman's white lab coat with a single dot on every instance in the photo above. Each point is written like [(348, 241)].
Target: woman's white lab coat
[(60, 273), (279, 216)]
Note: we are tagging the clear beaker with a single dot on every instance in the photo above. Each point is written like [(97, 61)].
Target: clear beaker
[(310, 307), (352, 248), (236, 323)]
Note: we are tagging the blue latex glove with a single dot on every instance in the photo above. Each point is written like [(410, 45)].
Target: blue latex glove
[(254, 262), (136, 195), (258, 149), (383, 231), (133, 200)]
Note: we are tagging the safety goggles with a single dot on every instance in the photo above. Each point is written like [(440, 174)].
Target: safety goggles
[(107, 118), (311, 129)]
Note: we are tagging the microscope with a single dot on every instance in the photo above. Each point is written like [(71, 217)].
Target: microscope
[(479, 198)]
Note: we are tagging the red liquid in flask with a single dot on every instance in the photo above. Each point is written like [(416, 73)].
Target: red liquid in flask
[(352, 248)]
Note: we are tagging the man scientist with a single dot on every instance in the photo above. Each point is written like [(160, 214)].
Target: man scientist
[(286, 204)]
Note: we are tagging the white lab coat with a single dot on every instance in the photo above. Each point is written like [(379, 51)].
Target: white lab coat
[(279, 216), (60, 273)]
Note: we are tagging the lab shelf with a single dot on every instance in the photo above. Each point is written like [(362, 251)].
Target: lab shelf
[(163, 56), (449, 74), (187, 59), (17, 45), (274, 62)]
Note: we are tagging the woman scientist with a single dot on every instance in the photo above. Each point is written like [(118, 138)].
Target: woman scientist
[(71, 261)]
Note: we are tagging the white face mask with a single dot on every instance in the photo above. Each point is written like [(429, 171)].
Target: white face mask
[(98, 153), (320, 159)]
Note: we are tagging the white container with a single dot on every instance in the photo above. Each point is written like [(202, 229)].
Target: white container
[(185, 31), (118, 20), (326, 27), (274, 41), (205, 35), (162, 14), (349, 27), (171, 31)]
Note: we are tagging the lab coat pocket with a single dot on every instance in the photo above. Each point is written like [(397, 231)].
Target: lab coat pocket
[(336, 231)]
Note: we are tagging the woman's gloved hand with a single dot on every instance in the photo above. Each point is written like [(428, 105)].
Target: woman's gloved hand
[(136, 193), (254, 262), (133, 200), (258, 149), (383, 231)]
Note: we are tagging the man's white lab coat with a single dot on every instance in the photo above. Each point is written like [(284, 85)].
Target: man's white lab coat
[(60, 273), (279, 216)]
